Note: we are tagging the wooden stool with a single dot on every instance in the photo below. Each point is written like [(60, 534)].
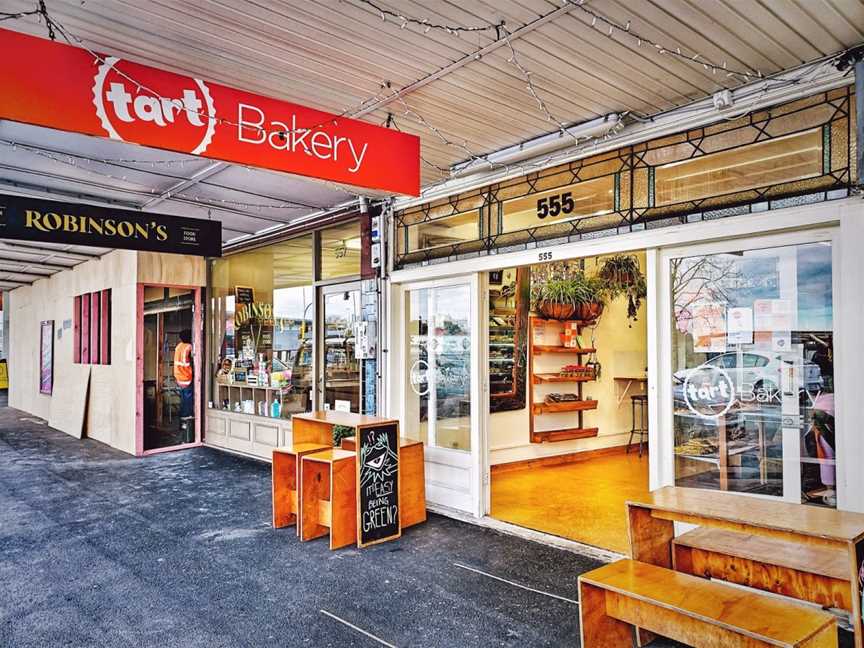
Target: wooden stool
[(412, 479), (286, 477), (328, 497), (638, 402)]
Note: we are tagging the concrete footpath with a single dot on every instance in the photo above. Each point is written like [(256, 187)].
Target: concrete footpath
[(100, 549)]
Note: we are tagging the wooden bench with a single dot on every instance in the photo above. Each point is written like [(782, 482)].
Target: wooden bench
[(806, 572), (615, 599), (286, 477), (651, 531), (412, 479), (328, 500)]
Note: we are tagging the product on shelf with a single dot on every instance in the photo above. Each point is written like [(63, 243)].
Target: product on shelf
[(562, 398), (577, 371)]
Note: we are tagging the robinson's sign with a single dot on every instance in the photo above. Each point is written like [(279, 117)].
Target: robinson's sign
[(64, 87), (32, 219)]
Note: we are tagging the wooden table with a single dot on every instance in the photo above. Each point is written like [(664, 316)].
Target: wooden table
[(628, 381), (317, 426), (651, 530)]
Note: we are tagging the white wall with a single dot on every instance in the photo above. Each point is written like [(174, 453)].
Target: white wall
[(111, 414)]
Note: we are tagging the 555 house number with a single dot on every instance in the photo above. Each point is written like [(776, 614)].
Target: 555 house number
[(554, 205)]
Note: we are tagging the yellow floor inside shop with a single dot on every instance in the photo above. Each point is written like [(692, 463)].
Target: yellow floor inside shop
[(582, 500)]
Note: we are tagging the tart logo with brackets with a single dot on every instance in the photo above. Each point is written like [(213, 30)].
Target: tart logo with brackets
[(163, 109), (709, 391)]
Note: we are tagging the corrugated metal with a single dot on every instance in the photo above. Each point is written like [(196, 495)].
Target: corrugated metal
[(333, 54)]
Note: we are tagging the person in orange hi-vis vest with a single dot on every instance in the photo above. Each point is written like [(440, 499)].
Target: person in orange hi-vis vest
[(183, 373)]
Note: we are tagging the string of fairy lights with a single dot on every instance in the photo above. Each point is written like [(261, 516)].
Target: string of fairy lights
[(386, 94), (74, 159)]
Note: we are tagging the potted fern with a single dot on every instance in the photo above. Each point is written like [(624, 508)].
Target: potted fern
[(573, 297)]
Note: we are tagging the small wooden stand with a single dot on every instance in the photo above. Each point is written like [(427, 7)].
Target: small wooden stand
[(286, 480), (328, 502), (316, 485)]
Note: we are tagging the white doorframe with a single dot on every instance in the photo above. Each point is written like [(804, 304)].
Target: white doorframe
[(665, 457), (473, 501)]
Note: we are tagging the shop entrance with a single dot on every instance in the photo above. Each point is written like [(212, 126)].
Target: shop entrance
[(339, 381), (169, 384), (568, 409), (438, 389)]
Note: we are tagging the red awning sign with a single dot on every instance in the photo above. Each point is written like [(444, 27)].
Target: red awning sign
[(59, 86)]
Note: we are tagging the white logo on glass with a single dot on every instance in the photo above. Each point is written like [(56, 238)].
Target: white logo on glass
[(709, 391)]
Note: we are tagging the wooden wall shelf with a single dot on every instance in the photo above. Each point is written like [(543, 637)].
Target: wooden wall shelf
[(572, 406), (557, 348), (566, 434), (540, 378), (541, 332)]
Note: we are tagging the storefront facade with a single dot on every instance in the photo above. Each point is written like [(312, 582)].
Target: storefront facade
[(284, 324), (747, 235), (91, 349)]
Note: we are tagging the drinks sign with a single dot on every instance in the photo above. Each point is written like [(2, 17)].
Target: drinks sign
[(33, 219), (59, 86), (378, 484)]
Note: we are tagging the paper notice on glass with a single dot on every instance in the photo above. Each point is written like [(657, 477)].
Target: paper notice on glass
[(772, 315), (708, 327), (739, 326), (781, 341)]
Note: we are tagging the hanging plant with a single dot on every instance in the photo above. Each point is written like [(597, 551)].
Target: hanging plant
[(573, 297), (623, 278)]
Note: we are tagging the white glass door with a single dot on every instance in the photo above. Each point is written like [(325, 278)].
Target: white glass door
[(442, 389)]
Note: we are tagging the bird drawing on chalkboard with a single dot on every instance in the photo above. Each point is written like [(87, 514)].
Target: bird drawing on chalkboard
[(377, 460)]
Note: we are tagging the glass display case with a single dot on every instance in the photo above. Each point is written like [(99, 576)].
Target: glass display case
[(508, 323)]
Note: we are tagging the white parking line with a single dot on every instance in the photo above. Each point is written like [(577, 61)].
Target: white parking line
[(354, 627), (519, 585)]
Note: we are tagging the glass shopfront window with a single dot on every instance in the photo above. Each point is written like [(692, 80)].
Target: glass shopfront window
[(340, 251), (753, 372), (262, 327), (262, 321)]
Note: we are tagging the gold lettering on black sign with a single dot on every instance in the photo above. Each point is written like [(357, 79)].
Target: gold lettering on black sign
[(78, 224)]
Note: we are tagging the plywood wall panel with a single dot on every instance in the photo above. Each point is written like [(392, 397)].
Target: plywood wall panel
[(171, 269), (111, 413)]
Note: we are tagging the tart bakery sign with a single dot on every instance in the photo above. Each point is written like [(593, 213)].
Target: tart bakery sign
[(64, 87)]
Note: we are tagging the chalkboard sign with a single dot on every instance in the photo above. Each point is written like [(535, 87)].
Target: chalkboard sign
[(377, 484), (244, 295)]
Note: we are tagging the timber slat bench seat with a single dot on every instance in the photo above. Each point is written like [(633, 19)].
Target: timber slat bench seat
[(286, 480), (806, 572), (617, 598), (328, 498)]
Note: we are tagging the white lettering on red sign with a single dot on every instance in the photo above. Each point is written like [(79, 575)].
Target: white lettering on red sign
[(127, 110)]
